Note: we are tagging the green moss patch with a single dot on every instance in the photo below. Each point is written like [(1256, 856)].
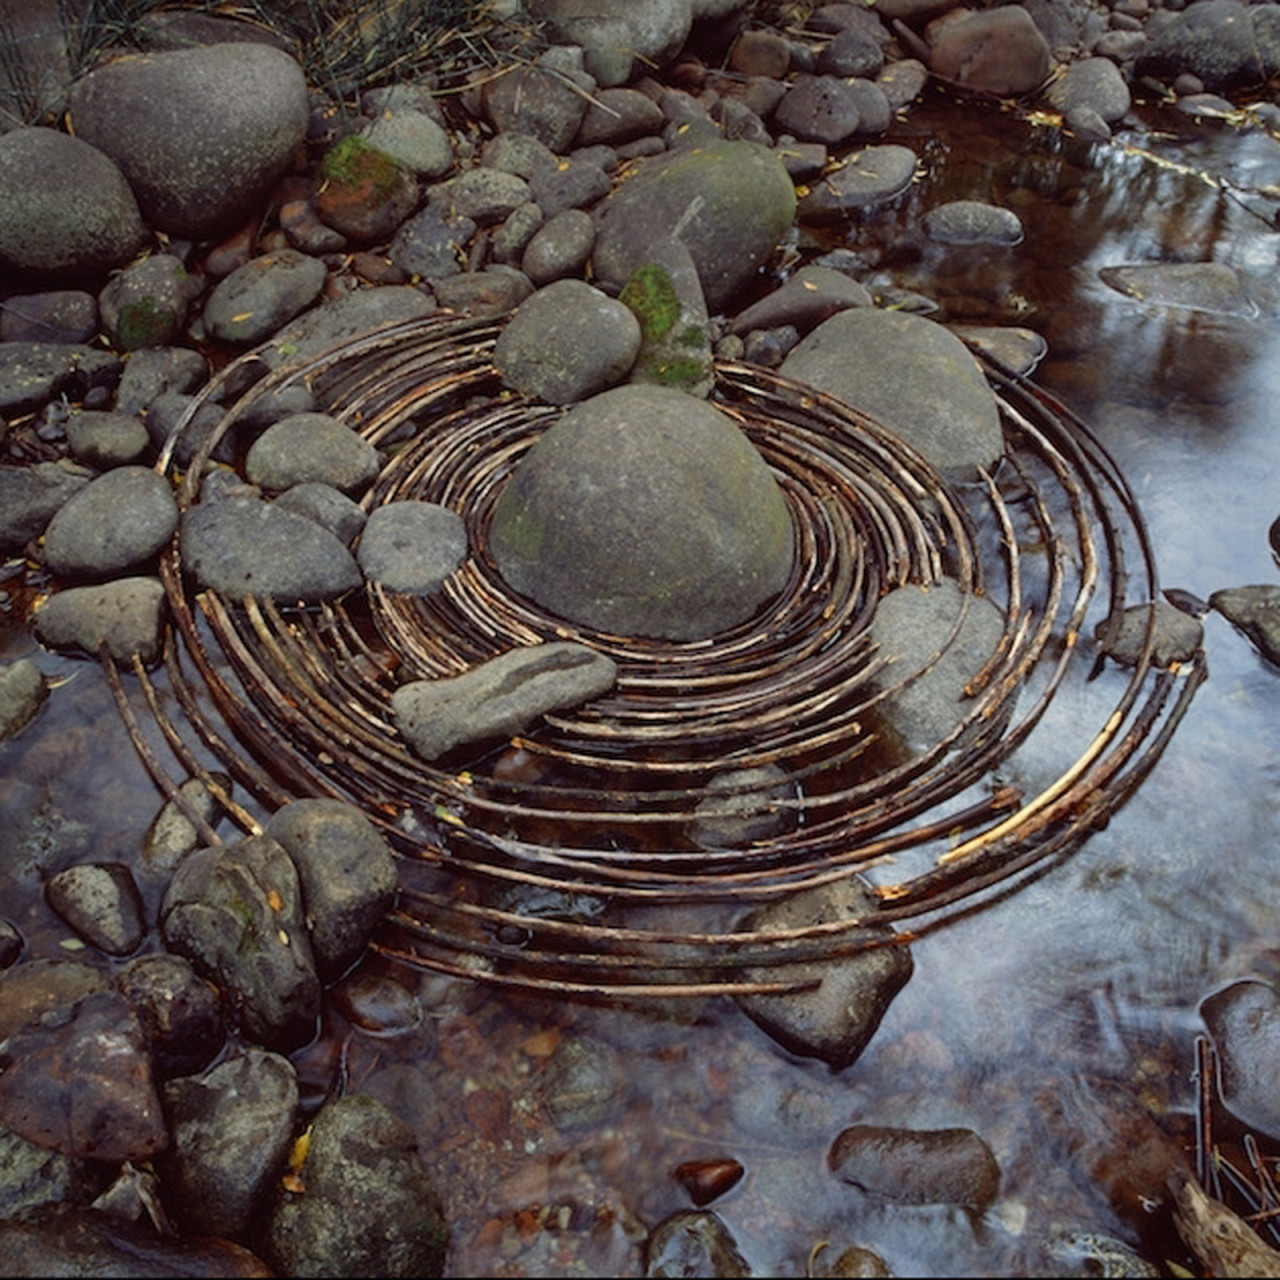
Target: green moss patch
[(651, 295)]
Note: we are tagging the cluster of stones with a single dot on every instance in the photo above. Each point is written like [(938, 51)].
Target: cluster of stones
[(620, 199)]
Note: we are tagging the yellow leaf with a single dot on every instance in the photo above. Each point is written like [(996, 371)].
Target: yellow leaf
[(244, 315)]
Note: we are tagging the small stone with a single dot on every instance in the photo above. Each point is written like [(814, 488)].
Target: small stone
[(918, 1166), (101, 902), (411, 547)]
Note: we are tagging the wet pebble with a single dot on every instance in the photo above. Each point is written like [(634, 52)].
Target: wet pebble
[(1244, 1021), (23, 689), (172, 833), (86, 1086), (369, 1206), (917, 1166), (100, 901), (582, 1085), (1176, 636), (378, 1005), (1255, 610), (181, 1013), (693, 1243), (708, 1180), (232, 1133)]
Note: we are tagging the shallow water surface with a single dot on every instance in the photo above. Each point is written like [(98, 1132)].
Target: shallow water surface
[(1047, 1021)]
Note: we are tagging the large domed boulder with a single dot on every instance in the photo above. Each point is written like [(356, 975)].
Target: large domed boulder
[(729, 202), (912, 375), (645, 511), (66, 211), (201, 134)]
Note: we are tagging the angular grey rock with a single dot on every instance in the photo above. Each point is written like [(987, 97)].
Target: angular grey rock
[(127, 613), (411, 547), (500, 697), (23, 690), (311, 447), (232, 1132), (234, 116), (242, 546), (694, 1242), (346, 317), (536, 101), (972, 222), (1255, 610), (33, 373), (101, 902), (566, 342), (236, 913), (31, 496), (910, 626), (575, 184), (1017, 349), (913, 376), (172, 833), (494, 291), (835, 1021), (370, 1207), (618, 115), (145, 305), (645, 511), (730, 202), (66, 210), (918, 1166), (262, 296), (116, 523), (1175, 635), (348, 877), (512, 238), (180, 1012)]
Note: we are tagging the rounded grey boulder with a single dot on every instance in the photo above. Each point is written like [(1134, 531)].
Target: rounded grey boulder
[(914, 376), (65, 207), (201, 134), (645, 511)]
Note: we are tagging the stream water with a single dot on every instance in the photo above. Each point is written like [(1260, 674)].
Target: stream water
[(1025, 1021)]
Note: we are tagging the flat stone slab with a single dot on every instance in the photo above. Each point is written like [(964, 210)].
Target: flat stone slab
[(1200, 286), (501, 697)]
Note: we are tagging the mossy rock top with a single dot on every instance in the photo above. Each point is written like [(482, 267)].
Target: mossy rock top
[(645, 511)]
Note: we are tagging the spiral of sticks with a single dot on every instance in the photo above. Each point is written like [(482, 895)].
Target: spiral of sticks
[(625, 847)]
